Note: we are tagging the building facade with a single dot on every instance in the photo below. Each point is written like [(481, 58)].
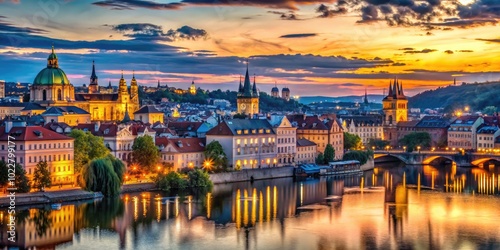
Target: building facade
[(52, 87), (395, 104), (35, 144), (180, 153), (286, 136), (306, 151), (248, 143), (462, 133)]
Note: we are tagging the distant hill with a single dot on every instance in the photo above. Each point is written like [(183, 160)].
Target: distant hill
[(352, 98), (477, 96)]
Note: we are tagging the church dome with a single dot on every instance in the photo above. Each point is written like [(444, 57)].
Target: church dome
[(275, 89), (52, 74)]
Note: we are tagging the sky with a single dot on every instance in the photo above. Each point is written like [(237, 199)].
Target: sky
[(327, 48)]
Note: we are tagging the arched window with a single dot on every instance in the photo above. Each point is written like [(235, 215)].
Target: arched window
[(59, 95), (44, 95)]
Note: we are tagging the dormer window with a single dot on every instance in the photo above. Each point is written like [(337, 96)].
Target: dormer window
[(245, 131), (238, 131), (261, 131)]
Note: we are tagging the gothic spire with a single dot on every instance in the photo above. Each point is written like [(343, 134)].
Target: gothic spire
[(93, 76), (126, 117), (158, 83), (247, 88), (366, 97), (254, 88), (390, 89)]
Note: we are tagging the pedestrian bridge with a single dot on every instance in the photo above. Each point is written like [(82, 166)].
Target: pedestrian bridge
[(429, 157)]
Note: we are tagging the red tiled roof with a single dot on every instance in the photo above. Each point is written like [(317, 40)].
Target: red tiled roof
[(31, 133), (182, 145), (105, 129)]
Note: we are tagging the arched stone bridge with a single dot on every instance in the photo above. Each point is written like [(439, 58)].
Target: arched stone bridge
[(427, 157)]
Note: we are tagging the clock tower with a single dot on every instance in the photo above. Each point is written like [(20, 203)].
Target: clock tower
[(248, 97), (395, 104)]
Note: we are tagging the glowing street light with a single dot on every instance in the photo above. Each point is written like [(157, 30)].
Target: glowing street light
[(418, 148), (207, 164)]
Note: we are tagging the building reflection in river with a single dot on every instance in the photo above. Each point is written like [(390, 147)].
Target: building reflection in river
[(388, 208)]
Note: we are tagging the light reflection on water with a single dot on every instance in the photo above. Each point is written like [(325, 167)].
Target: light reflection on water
[(399, 208)]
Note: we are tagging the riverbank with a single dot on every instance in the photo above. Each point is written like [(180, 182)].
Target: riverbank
[(252, 174)]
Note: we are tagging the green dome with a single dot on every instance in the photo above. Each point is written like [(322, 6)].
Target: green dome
[(51, 76)]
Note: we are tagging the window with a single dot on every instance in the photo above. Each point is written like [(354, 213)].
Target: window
[(59, 95), (21, 147)]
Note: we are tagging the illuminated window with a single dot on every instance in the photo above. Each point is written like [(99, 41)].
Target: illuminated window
[(238, 141)]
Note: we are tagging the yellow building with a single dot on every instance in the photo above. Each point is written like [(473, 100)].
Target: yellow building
[(395, 104), (149, 114), (192, 89), (248, 97), (51, 87)]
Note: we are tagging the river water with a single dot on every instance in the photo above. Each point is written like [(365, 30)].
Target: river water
[(390, 207)]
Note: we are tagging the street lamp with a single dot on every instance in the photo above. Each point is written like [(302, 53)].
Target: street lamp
[(418, 148), (404, 149), (373, 147), (207, 165)]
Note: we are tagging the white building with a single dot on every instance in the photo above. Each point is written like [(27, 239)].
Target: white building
[(286, 136), (306, 151), (247, 143)]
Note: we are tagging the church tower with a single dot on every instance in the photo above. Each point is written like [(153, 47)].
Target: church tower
[(134, 90), (93, 86), (192, 89), (275, 92), (248, 97), (395, 104), (123, 90)]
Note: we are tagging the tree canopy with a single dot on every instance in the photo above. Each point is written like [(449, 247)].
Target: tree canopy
[(100, 176), (215, 157), (87, 147), (377, 143), (352, 141), (361, 156), (21, 180), (145, 153), (329, 153), (415, 139), (41, 176)]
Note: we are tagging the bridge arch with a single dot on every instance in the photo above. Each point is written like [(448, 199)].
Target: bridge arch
[(483, 160), (429, 159), (399, 157)]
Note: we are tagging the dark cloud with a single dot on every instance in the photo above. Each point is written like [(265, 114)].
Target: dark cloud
[(448, 51), (132, 4), (424, 51), (489, 40), (407, 49), (455, 22), (149, 31), (6, 26), (301, 35), (290, 15), (399, 64), (326, 11), (466, 51), (369, 13)]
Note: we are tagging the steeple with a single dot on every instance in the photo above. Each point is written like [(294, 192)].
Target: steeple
[(109, 85), (158, 83), (126, 117), (247, 89), (395, 87), (390, 89), (254, 88), (240, 89), (93, 76)]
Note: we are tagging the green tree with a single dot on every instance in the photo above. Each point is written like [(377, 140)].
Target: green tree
[(4, 173), (43, 221), (415, 139), (22, 182), (41, 176), (145, 153), (200, 180), (377, 143), (99, 176), (172, 180), (329, 153), (118, 167), (320, 159), (361, 156), (87, 147), (352, 141), (215, 157)]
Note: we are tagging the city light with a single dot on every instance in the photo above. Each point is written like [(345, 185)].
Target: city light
[(207, 165)]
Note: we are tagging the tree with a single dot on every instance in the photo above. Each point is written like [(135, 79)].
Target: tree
[(99, 176), (215, 157), (415, 139), (118, 167), (377, 143), (145, 153), (200, 180), (41, 176), (352, 141), (320, 159), (172, 180), (21, 180), (329, 153), (361, 156), (87, 147)]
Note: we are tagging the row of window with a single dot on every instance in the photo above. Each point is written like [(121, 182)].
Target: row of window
[(264, 150), (461, 135), (304, 156), (285, 132), (286, 140), (485, 145), (48, 159), (311, 148), (288, 149), (52, 169), (256, 140), (486, 138)]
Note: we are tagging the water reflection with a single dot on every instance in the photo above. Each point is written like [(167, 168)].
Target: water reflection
[(388, 208)]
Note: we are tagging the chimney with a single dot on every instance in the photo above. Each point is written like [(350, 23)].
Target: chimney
[(96, 126)]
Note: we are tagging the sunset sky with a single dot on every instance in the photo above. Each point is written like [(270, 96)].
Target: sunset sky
[(329, 48)]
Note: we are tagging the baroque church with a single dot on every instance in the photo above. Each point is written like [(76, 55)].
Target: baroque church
[(248, 97), (52, 87)]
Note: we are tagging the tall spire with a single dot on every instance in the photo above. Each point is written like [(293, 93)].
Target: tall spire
[(158, 83), (247, 88), (52, 59), (93, 76), (401, 89), (126, 117), (109, 85), (366, 96), (254, 88), (390, 94), (395, 87)]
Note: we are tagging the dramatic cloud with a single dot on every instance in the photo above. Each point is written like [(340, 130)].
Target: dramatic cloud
[(466, 50), (132, 4), (424, 51), (448, 51), (326, 11), (154, 32), (9, 27), (299, 35)]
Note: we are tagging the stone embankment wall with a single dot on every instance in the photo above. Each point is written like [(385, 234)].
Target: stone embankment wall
[(369, 165), (252, 174)]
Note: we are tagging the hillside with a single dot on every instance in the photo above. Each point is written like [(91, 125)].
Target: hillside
[(352, 98), (477, 96)]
